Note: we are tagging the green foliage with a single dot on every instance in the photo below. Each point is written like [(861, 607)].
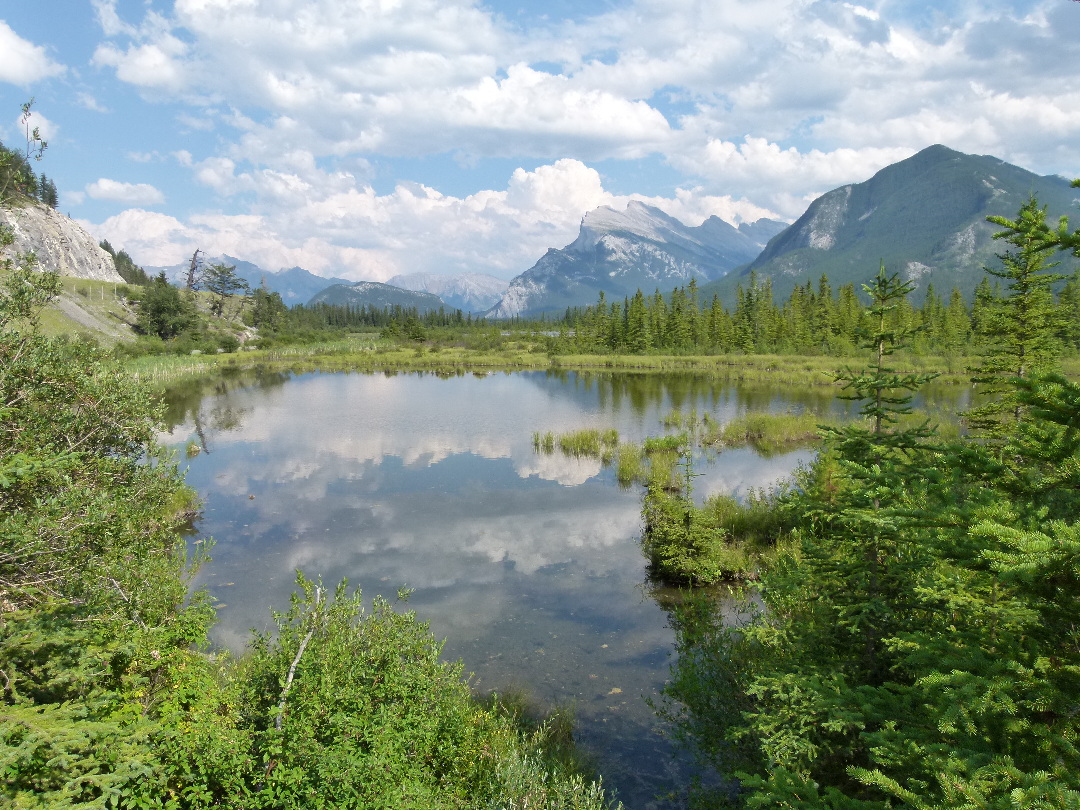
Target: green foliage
[(358, 709), (163, 311), (690, 545), (221, 281), (128, 270), (918, 647), (95, 637), (1023, 327), (680, 547), (17, 178), (268, 311)]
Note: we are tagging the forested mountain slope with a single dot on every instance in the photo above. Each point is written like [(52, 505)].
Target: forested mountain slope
[(924, 217)]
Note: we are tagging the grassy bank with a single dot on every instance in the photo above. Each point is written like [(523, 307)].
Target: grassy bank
[(366, 352)]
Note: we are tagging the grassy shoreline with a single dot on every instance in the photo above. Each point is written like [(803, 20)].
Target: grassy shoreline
[(373, 355)]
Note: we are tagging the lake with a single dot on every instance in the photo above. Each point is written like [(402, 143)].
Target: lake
[(528, 565)]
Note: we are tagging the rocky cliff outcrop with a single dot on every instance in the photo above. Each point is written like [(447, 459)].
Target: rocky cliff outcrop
[(59, 243)]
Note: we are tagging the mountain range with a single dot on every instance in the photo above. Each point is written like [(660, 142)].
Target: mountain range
[(924, 217), (469, 292), (295, 285), (373, 294), (619, 252)]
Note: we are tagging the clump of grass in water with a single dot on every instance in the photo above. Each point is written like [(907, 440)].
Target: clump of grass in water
[(663, 473), (630, 466), (548, 732), (544, 442), (665, 444), (590, 443), (767, 432), (676, 419), (758, 522)]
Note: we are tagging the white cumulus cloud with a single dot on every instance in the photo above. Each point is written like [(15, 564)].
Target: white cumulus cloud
[(331, 226), (22, 62), (751, 107), (129, 193)]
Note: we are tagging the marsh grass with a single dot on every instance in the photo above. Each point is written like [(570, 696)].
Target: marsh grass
[(677, 420), (758, 522), (548, 730), (544, 442), (662, 472), (590, 443), (630, 464), (366, 351), (672, 443), (768, 433)]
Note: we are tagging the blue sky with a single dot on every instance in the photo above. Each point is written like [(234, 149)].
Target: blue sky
[(366, 138)]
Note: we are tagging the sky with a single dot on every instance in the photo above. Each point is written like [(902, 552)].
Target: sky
[(368, 138)]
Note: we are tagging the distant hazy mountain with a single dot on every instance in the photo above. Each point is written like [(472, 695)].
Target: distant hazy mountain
[(376, 295), (469, 292), (925, 217), (295, 285), (620, 252)]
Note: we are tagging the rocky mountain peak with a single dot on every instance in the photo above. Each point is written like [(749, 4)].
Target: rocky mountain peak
[(620, 252)]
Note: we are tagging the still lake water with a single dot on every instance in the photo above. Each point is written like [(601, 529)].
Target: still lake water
[(528, 565)]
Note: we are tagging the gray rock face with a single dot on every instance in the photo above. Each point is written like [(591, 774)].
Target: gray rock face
[(620, 252), (59, 243)]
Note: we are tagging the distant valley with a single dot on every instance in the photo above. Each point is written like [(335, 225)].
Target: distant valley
[(473, 293)]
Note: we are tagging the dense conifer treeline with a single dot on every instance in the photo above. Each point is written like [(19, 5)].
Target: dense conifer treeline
[(815, 320)]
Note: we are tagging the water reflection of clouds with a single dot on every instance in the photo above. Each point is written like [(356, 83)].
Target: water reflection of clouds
[(367, 418), (391, 481), (736, 472), (558, 468), (529, 565), (432, 541)]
